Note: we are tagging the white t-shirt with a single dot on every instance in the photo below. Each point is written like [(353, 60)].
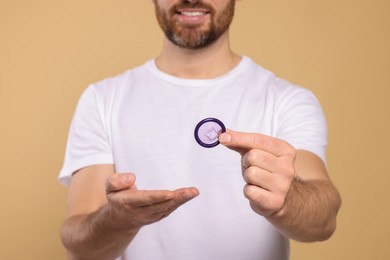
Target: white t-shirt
[(143, 122)]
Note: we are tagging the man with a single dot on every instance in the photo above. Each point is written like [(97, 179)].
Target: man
[(140, 124)]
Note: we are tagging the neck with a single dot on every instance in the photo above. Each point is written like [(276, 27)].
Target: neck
[(212, 61)]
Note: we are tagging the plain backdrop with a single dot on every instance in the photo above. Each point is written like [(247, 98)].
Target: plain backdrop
[(51, 50)]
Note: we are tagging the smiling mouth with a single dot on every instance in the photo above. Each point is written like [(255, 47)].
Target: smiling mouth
[(193, 13), (192, 16)]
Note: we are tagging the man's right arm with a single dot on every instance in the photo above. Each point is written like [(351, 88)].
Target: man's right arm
[(106, 210)]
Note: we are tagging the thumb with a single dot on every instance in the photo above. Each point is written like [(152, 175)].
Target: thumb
[(120, 181)]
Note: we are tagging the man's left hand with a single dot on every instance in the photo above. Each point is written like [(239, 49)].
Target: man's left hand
[(267, 168)]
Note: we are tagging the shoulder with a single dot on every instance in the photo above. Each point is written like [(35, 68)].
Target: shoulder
[(276, 88), (111, 84)]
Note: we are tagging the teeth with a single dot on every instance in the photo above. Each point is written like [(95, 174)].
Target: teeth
[(192, 13)]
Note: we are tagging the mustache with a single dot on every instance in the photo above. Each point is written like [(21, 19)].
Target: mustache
[(198, 5)]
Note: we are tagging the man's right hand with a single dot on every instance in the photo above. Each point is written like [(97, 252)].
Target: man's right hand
[(106, 211), (133, 208)]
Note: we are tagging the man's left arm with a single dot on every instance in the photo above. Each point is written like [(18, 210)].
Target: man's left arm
[(291, 188)]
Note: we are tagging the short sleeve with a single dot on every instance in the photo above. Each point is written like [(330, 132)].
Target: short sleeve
[(302, 122), (87, 141)]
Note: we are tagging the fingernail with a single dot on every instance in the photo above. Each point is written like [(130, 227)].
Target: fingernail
[(126, 179), (188, 196), (225, 138)]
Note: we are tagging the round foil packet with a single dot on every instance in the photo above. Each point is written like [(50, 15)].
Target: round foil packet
[(207, 132)]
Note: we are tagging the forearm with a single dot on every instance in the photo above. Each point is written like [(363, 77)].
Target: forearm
[(94, 236), (309, 212)]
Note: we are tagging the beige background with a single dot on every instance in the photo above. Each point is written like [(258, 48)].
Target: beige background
[(51, 50)]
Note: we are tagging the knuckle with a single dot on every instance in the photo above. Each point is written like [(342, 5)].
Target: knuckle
[(291, 172), (278, 202), (289, 150), (288, 170), (285, 187), (252, 194), (250, 174), (260, 205), (267, 205), (252, 156), (248, 191)]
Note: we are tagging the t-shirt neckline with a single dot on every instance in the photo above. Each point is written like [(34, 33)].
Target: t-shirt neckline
[(242, 65)]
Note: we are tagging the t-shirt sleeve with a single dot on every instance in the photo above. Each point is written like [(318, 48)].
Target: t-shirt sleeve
[(302, 122), (87, 141)]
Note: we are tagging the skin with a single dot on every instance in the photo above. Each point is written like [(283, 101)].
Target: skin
[(288, 187), (103, 202), (197, 31)]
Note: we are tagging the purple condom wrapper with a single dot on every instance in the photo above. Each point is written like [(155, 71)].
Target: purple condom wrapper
[(207, 132)]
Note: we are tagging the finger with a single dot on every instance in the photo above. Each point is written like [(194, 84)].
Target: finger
[(242, 142), (151, 213), (276, 183), (262, 201), (142, 198), (261, 159), (259, 177), (182, 196), (117, 182), (226, 138)]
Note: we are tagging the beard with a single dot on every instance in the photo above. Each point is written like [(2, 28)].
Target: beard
[(194, 36)]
